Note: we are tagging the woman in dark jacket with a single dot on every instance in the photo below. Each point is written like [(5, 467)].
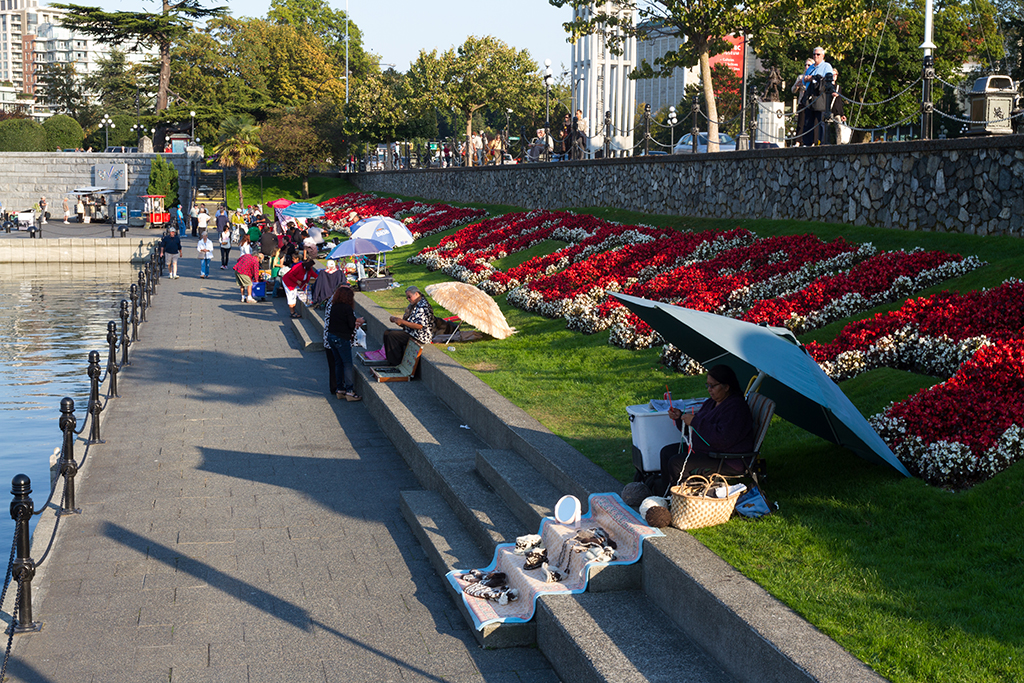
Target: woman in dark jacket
[(722, 425), (340, 326)]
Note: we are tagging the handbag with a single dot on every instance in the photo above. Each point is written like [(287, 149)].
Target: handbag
[(695, 506), (753, 504)]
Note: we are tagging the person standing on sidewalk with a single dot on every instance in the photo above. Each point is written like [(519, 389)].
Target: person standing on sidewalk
[(205, 249), (193, 216), (170, 249), (67, 211)]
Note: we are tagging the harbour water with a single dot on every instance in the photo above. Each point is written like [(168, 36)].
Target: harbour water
[(51, 317)]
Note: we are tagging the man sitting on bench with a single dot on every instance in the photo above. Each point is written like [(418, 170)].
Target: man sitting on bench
[(417, 323)]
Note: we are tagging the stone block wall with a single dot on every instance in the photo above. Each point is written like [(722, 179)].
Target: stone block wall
[(27, 176), (77, 250), (968, 185)]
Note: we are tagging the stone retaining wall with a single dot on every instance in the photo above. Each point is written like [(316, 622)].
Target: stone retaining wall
[(968, 185), (27, 176), (78, 250)]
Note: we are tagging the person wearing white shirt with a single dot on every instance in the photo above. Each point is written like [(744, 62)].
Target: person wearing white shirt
[(205, 249)]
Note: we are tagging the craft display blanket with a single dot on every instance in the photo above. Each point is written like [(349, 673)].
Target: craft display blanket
[(606, 511)]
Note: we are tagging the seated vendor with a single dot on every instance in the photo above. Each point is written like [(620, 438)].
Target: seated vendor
[(722, 425), (417, 323)]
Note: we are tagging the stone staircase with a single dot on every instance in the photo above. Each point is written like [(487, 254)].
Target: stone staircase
[(211, 187), (490, 473)]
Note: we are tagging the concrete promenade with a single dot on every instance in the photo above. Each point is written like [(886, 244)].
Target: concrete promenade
[(240, 524)]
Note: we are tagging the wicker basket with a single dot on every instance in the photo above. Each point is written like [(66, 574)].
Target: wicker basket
[(695, 507)]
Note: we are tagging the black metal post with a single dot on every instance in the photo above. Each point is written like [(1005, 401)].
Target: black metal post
[(125, 340), (68, 466), (112, 356), (695, 130), (133, 294), (24, 567), (927, 106), (149, 284), (154, 272), (95, 407), (142, 297), (647, 130), (607, 134)]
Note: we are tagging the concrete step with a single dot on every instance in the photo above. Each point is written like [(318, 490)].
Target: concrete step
[(619, 637), (310, 337), (442, 455), (449, 546)]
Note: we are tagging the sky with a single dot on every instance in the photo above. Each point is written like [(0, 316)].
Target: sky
[(397, 30)]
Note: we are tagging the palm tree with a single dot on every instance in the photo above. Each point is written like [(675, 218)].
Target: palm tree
[(239, 147)]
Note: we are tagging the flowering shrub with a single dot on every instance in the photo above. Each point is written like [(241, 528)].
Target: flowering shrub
[(423, 219)]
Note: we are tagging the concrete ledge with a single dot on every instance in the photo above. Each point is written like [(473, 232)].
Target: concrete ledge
[(753, 635), (76, 250)]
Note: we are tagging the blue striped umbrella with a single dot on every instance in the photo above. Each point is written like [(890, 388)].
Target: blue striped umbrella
[(302, 210)]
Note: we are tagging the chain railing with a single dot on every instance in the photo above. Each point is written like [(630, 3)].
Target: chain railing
[(21, 567)]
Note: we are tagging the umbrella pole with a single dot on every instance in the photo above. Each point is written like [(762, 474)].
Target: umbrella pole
[(454, 333), (755, 383)]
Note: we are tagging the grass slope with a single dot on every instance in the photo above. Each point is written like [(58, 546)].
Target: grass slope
[(919, 583)]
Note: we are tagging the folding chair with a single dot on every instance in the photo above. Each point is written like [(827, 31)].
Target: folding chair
[(762, 409)]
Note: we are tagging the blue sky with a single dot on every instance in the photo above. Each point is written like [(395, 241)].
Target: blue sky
[(397, 30)]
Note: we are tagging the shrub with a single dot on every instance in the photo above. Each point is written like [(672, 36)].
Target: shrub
[(63, 132), (163, 179), (22, 135)]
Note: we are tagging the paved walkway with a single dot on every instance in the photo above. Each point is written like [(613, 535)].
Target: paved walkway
[(242, 525)]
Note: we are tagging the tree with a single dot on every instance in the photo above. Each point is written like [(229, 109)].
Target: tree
[(728, 88), (700, 25), (173, 22), (22, 135), (239, 147), (483, 72), (163, 179), (61, 88), (290, 140), (316, 18), (118, 84), (377, 108), (63, 132)]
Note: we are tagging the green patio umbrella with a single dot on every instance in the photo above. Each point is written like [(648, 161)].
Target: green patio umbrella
[(803, 393)]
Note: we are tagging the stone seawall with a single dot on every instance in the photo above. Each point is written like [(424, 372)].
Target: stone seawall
[(27, 176), (78, 250), (968, 185)]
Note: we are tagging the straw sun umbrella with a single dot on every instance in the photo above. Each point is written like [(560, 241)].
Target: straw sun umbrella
[(472, 305)]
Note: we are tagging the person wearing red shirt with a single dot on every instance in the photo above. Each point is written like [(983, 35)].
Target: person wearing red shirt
[(295, 279), (247, 271)]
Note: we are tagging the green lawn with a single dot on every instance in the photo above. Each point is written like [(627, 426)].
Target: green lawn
[(919, 583)]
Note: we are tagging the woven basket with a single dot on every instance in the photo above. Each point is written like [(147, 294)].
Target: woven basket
[(693, 504)]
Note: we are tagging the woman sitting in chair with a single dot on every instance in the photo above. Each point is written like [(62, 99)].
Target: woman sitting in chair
[(723, 425)]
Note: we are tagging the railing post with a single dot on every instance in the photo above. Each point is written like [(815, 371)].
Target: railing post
[(133, 294), (112, 368), (142, 297), (695, 130), (24, 567), (607, 134), (95, 407), (927, 106), (125, 340), (68, 466), (647, 130)]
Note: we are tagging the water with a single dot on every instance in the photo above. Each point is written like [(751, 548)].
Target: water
[(51, 317)]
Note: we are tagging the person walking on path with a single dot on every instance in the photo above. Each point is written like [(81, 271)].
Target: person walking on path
[(225, 246), (247, 271), (193, 217), (67, 211), (170, 249), (205, 249)]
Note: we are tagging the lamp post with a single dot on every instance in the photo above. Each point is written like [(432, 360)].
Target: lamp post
[(508, 122), (672, 128), (346, 52), (192, 128), (548, 78), (106, 124)]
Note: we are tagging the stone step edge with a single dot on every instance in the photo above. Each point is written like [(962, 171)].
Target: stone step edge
[(618, 637), (449, 546)]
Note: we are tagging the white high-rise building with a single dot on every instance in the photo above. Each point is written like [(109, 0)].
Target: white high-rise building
[(600, 84)]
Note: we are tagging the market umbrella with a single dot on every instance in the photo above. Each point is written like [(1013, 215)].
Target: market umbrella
[(473, 305), (803, 393), (357, 247), (302, 210), (280, 203), (383, 229)]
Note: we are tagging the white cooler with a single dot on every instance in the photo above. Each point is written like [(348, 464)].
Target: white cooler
[(652, 431)]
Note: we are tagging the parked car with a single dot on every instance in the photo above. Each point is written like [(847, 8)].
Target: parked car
[(726, 143), (121, 150)]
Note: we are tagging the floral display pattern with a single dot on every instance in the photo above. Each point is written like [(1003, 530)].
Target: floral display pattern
[(421, 219)]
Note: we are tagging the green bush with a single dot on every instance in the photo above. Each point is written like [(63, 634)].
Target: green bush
[(22, 135), (163, 179), (63, 132)]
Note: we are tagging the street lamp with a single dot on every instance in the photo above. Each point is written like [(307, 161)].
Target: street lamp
[(192, 129), (508, 121), (106, 124), (672, 121), (548, 78)]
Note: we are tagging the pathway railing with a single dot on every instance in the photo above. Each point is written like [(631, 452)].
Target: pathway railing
[(21, 567)]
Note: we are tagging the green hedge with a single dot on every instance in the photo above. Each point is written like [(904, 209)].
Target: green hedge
[(62, 132), (22, 135)]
